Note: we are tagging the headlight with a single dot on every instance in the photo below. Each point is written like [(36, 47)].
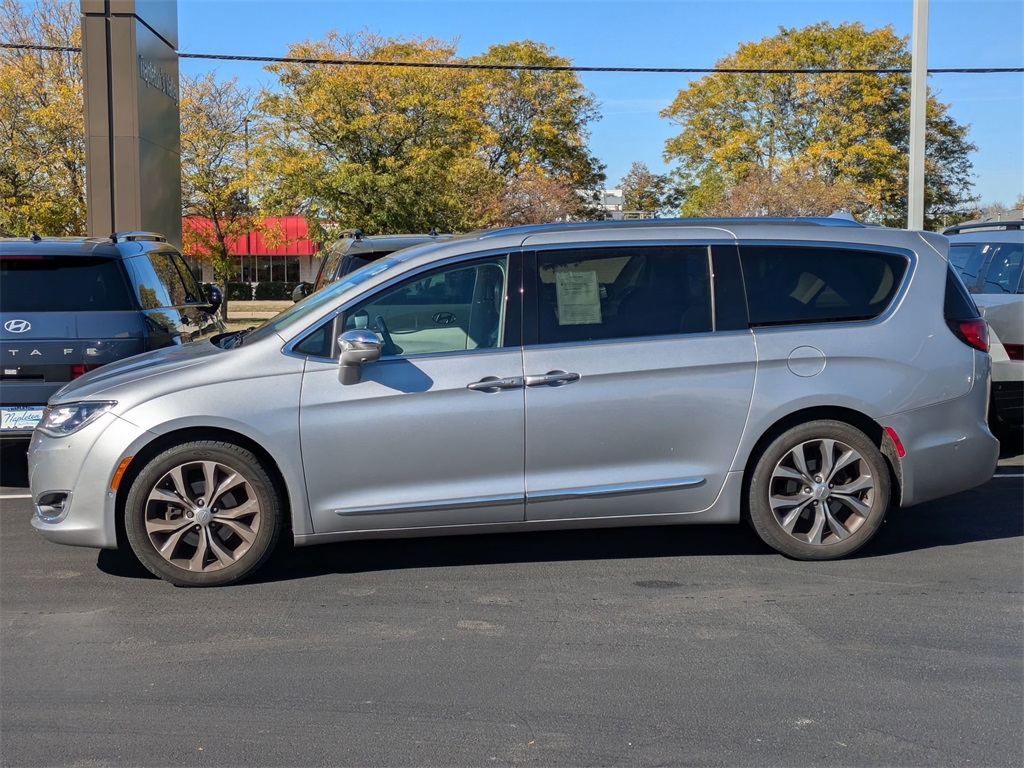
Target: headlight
[(64, 420)]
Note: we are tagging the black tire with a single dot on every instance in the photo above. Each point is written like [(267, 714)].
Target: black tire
[(819, 491), (191, 540)]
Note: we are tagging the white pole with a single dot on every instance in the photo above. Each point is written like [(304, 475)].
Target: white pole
[(918, 103)]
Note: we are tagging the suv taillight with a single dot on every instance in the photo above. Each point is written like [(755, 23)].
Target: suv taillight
[(79, 370), (1014, 351), (973, 332)]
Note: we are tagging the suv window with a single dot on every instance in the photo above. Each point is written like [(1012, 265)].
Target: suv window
[(613, 293), (160, 282), (791, 285), (62, 284), (1004, 268)]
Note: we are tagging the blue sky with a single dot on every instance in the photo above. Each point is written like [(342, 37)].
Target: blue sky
[(651, 33)]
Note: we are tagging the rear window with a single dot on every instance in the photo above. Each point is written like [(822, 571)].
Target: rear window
[(792, 285), (62, 284)]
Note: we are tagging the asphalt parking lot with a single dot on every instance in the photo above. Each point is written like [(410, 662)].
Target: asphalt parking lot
[(678, 646)]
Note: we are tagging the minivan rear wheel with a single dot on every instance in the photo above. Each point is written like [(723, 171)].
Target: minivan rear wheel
[(819, 491), (203, 514)]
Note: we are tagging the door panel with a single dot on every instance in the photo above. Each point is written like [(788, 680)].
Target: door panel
[(646, 405), (411, 446), (650, 427)]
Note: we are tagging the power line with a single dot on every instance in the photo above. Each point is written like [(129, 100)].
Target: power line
[(550, 67)]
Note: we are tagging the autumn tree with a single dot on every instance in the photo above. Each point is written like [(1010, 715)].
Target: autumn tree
[(816, 130), (377, 147), (645, 191), (536, 121), (403, 149), (215, 133), (42, 127)]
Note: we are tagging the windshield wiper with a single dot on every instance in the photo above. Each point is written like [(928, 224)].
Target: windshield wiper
[(235, 339)]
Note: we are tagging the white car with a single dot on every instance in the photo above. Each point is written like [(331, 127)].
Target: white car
[(989, 257)]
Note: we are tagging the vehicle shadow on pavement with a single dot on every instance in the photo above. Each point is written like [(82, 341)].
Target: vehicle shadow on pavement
[(959, 519)]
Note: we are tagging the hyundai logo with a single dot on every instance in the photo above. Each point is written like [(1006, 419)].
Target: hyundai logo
[(17, 326)]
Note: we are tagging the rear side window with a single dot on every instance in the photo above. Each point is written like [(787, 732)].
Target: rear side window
[(62, 284), (958, 304), (617, 293), (793, 285)]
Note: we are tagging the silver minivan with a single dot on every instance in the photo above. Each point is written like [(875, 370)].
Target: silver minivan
[(803, 374)]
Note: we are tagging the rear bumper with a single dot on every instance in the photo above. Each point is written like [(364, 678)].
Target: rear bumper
[(949, 447)]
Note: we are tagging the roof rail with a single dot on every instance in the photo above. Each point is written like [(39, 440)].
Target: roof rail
[(1005, 224), (128, 236), (818, 221)]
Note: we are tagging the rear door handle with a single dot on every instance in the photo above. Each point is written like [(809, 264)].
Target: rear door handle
[(552, 379), (495, 384)]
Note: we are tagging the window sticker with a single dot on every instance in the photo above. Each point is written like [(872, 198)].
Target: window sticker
[(579, 301)]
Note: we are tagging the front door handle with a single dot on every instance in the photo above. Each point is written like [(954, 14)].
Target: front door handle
[(495, 384), (552, 379)]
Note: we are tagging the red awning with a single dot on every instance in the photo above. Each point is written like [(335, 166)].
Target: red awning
[(288, 234)]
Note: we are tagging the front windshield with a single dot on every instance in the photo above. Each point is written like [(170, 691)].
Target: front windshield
[(313, 305)]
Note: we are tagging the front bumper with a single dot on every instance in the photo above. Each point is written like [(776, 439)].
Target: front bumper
[(79, 469)]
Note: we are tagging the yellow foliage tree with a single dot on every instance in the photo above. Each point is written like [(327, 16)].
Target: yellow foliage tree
[(42, 126)]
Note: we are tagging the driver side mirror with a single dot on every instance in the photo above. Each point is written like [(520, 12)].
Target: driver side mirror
[(357, 347), (216, 299), (301, 291)]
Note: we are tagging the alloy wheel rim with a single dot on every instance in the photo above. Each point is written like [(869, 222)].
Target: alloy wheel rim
[(821, 492), (202, 516)]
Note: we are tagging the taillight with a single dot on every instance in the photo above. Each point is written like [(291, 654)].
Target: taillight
[(1014, 351), (78, 370), (973, 333)]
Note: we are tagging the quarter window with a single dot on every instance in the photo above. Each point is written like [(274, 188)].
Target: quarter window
[(791, 285), (614, 293)]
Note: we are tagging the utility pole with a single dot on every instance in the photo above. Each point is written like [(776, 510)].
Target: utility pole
[(918, 104)]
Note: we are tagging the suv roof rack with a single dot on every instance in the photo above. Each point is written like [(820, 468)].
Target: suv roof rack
[(1004, 224), (129, 235)]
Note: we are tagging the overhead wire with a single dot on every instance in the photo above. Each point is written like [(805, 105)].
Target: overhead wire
[(551, 67)]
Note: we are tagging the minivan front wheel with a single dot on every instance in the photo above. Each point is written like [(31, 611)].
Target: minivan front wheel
[(819, 491), (203, 514)]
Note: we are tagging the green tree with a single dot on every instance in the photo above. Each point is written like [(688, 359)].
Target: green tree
[(216, 117), (536, 120), (818, 129), (405, 149), (42, 128), (385, 149), (643, 190)]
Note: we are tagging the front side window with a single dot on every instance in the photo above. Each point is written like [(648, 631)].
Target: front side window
[(592, 294), (329, 267), (794, 285), (458, 308), (159, 281)]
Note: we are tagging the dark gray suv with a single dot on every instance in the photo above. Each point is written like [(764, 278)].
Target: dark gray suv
[(71, 304), (354, 251)]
